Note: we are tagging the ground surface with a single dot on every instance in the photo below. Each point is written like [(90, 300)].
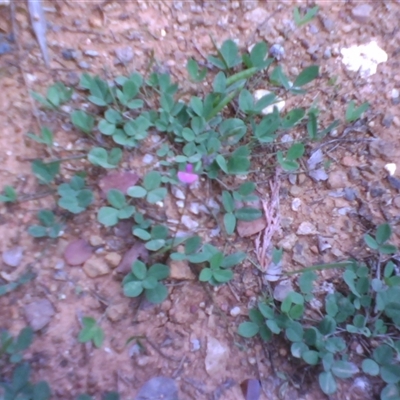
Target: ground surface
[(176, 336)]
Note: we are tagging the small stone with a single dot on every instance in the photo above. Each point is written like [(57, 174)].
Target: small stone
[(95, 267), (5, 47), (77, 252), (282, 289), (39, 313), (337, 179), (396, 121), (113, 259), (318, 174), (327, 53), (95, 22), (256, 16), (91, 53), (70, 54), (328, 24), (235, 311), (116, 312), (361, 13), (195, 344), (177, 193), (277, 51), (394, 182), (83, 65), (180, 270), (295, 191), (376, 191), (189, 222), (394, 94), (250, 228), (217, 356), (307, 228), (391, 168), (124, 54), (349, 161), (288, 242), (148, 159), (13, 257), (354, 174), (387, 120), (396, 201), (323, 244), (296, 204), (95, 240), (350, 194), (142, 361), (159, 387), (194, 208)]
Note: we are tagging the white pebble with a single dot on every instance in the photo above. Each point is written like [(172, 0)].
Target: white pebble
[(235, 311), (296, 203), (148, 159)]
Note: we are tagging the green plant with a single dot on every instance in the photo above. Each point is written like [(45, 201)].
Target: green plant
[(371, 309), (13, 347), (109, 216), (142, 279), (49, 228), (9, 287), (307, 17), (106, 396), (233, 213), (21, 389), (57, 94), (353, 113), (155, 239), (100, 157), (151, 189), (9, 195), (46, 137), (45, 172), (91, 332), (74, 197)]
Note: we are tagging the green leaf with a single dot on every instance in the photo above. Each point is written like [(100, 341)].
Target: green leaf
[(246, 188), (155, 195), (108, 216), (387, 249), (41, 391), (159, 271), (233, 259), (370, 367), (219, 85), (371, 242), (390, 392), (229, 223), (246, 101), (139, 269), (155, 245), (192, 244), (229, 53), (383, 233), (295, 151), (82, 121), (273, 326), (133, 289), (383, 354), (310, 14), (205, 275), (344, 369), (227, 201), (258, 55), (298, 348), (306, 281), (278, 76), (222, 275), (99, 156), (150, 282), (312, 127), (136, 192), (141, 234), (193, 70), (116, 198), (24, 339), (106, 128), (10, 195), (220, 160), (152, 180), (45, 172), (248, 214), (307, 75), (248, 329), (157, 295), (311, 357), (37, 231), (390, 373), (353, 113), (91, 331), (292, 118), (327, 382), (20, 376)]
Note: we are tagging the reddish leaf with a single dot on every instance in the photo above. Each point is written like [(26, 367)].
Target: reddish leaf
[(77, 252), (136, 251), (251, 389), (121, 180)]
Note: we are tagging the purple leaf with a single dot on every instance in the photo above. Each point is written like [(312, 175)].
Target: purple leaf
[(136, 251), (122, 181), (77, 252)]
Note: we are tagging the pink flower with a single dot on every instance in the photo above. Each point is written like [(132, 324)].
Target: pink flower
[(188, 176)]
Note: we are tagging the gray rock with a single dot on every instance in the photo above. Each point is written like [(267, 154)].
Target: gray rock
[(124, 54), (83, 65), (282, 289), (387, 120), (350, 194), (354, 174), (277, 51), (337, 179), (328, 24), (92, 53), (394, 182), (13, 257), (361, 13), (5, 48), (318, 175), (307, 228), (323, 244), (327, 53), (195, 344), (158, 388), (376, 190), (190, 223), (70, 54), (39, 313), (217, 356), (288, 242)]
